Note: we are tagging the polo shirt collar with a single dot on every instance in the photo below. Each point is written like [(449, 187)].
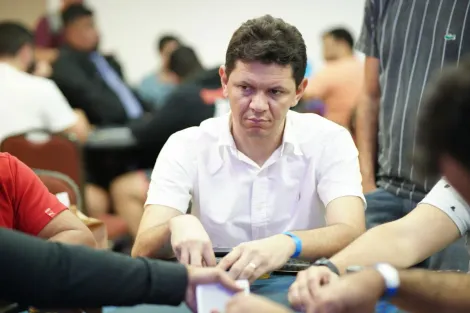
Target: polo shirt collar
[(290, 144)]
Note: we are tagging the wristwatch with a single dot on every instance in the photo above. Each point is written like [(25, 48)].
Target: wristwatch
[(391, 278), (326, 262)]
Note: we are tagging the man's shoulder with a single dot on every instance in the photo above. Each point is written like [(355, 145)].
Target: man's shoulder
[(39, 85), (207, 133), (7, 168), (313, 132), (308, 126)]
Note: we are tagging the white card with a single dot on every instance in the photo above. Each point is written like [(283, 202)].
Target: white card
[(215, 297)]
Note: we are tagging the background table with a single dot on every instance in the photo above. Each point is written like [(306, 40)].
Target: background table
[(274, 288)]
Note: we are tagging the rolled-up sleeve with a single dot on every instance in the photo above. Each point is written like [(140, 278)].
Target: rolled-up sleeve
[(444, 197), (339, 173), (173, 175), (367, 42)]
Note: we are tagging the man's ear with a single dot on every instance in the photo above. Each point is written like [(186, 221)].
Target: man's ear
[(223, 80), (300, 91)]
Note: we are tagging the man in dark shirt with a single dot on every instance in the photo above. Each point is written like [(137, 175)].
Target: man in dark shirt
[(196, 99), (47, 274), (191, 103), (89, 80)]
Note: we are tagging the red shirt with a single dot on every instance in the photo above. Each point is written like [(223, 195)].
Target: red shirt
[(25, 203)]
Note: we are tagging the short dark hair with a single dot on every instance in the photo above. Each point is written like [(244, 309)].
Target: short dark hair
[(444, 126), (13, 36), (184, 62), (268, 40), (162, 41), (74, 12), (341, 34)]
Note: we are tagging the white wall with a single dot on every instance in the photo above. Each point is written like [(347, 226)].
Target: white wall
[(129, 28)]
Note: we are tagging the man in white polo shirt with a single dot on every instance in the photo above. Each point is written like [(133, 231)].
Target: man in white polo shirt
[(264, 182)]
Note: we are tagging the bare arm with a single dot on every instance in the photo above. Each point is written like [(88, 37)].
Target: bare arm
[(153, 237), (367, 123), (81, 129), (424, 291), (345, 219), (67, 228), (401, 243)]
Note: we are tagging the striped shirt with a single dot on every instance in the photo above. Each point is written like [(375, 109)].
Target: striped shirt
[(413, 40)]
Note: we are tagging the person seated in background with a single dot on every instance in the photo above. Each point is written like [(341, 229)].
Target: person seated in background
[(439, 220), (89, 80), (48, 35), (156, 87), (29, 102), (339, 83), (27, 206), (265, 183), (192, 102)]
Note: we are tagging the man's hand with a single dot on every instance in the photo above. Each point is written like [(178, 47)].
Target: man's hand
[(190, 241), (202, 276), (352, 293), (243, 303), (307, 284), (253, 259)]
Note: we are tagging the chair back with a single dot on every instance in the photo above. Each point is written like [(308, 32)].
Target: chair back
[(46, 151), (58, 183)]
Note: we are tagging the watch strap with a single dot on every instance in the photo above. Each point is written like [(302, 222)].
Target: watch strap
[(326, 262)]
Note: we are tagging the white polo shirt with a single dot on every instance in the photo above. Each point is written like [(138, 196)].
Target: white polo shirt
[(238, 201), (447, 199), (28, 102)]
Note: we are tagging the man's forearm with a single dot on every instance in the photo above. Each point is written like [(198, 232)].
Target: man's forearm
[(366, 136), (423, 291), (75, 237), (380, 244), (154, 243), (326, 241), (70, 276)]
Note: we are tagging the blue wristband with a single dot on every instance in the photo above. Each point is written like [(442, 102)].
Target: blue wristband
[(298, 243)]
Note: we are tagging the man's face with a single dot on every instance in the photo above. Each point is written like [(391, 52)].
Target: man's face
[(260, 96), (456, 175), (166, 52), (330, 48), (82, 34)]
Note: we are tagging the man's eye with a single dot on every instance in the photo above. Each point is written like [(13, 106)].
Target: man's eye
[(276, 92)]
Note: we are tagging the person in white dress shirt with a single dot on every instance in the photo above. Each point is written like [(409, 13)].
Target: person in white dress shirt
[(29, 102), (264, 182)]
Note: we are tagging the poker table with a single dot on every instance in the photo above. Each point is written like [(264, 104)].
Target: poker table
[(274, 288)]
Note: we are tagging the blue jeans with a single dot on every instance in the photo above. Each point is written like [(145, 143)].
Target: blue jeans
[(384, 207)]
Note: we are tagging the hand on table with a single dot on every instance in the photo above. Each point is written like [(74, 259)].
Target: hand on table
[(307, 284), (190, 241), (251, 260), (201, 276), (243, 303), (352, 293)]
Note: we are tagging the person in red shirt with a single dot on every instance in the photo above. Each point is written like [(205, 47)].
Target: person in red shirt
[(26, 205)]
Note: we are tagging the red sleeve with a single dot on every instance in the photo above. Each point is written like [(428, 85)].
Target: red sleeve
[(34, 205), (42, 34)]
